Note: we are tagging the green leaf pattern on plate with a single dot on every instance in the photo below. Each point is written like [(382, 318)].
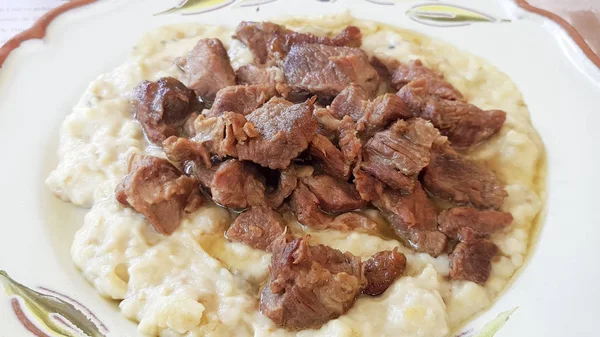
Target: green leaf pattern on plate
[(490, 329), (63, 319), (250, 3), (189, 7), (433, 14), (52, 314), (448, 15)]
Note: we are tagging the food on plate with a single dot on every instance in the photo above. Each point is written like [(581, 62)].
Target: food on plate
[(309, 285), (162, 107), (381, 270), (258, 227), (159, 191), (348, 179), (208, 69)]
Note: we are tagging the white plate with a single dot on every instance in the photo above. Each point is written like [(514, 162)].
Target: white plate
[(557, 292)]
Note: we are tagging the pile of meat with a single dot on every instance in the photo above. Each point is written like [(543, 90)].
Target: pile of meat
[(307, 128)]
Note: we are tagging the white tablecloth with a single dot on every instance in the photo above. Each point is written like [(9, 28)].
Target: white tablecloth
[(18, 15)]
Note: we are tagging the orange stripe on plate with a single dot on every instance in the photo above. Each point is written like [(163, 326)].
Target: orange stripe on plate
[(567, 26), (38, 30)]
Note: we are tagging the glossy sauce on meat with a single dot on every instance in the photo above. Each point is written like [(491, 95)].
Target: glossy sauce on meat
[(366, 150), (211, 143)]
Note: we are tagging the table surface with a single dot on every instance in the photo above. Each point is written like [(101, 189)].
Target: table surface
[(18, 15)]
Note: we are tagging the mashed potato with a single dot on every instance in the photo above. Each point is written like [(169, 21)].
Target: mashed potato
[(195, 283)]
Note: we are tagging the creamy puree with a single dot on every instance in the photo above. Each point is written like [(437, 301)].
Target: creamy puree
[(195, 283)]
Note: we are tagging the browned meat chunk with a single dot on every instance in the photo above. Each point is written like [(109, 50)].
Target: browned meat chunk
[(256, 36), (220, 135), (348, 140), (406, 73), (269, 41), (453, 177), (415, 95), (400, 152), (307, 208), (384, 68), (472, 261), (349, 102), (288, 180), (263, 75), (183, 149), (305, 205), (381, 112), (281, 43), (283, 129), (335, 196), (352, 221), (242, 99), (208, 69), (253, 74), (238, 130), (382, 269), (329, 157), (210, 133), (413, 218), (159, 191), (309, 285), (162, 107), (328, 125), (377, 166), (406, 144), (463, 123), (272, 136), (454, 221), (203, 174), (238, 185), (325, 70), (257, 227), (367, 186)]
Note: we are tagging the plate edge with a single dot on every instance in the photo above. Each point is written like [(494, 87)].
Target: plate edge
[(38, 30), (573, 33)]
